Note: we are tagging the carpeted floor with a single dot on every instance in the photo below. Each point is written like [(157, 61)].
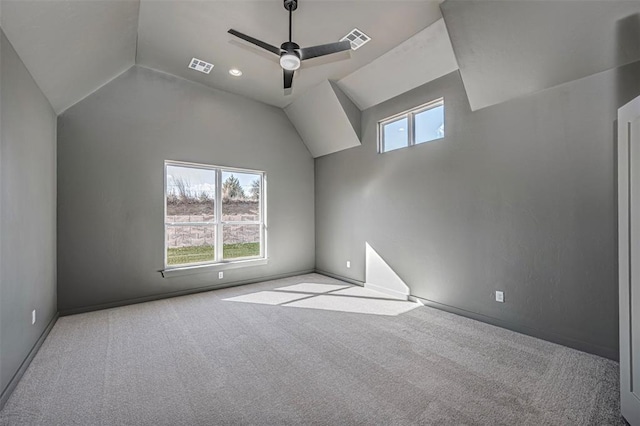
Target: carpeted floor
[(304, 350)]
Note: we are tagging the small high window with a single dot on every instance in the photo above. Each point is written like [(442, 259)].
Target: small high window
[(213, 214), (424, 123)]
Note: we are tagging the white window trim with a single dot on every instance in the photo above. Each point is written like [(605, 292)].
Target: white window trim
[(219, 264), (411, 125)]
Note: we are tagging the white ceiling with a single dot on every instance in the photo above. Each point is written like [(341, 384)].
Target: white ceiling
[(505, 49), (423, 58), (171, 33), (320, 139), (72, 47), (508, 49)]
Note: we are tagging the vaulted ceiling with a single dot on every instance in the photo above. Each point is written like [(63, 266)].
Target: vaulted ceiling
[(508, 49), (171, 33), (73, 47), (505, 49)]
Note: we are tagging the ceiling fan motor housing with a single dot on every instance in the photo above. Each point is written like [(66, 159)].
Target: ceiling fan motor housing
[(290, 47)]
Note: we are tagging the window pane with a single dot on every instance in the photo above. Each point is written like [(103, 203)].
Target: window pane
[(241, 241), (241, 197), (190, 244), (430, 124), (395, 135), (191, 194)]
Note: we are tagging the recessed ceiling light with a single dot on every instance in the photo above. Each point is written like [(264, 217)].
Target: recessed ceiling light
[(401, 129), (235, 72)]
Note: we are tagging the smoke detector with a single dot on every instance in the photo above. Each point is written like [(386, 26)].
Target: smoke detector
[(200, 65), (357, 39)]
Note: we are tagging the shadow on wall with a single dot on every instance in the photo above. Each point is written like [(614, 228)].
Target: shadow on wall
[(380, 277), (627, 45)]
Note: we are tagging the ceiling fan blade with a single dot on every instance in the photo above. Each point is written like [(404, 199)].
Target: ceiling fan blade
[(324, 49), (288, 78), (259, 43)]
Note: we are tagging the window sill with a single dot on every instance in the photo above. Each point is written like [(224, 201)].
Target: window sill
[(203, 269)]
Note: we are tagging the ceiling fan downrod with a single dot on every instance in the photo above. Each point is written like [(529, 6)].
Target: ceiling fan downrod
[(290, 5)]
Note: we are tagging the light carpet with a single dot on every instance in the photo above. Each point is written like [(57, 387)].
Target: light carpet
[(304, 350)]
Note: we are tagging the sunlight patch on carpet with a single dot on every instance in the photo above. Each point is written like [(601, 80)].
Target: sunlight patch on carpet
[(313, 288), (327, 297)]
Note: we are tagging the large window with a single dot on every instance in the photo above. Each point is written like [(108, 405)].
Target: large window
[(418, 125), (213, 214)]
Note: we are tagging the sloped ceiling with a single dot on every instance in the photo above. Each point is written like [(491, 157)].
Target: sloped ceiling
[(418, 60), (322, 122), (72, 47), (172, 32), (322, 114), (507, 49)]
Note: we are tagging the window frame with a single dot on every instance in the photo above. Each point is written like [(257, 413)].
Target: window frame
[(218, 223), (411, 124)]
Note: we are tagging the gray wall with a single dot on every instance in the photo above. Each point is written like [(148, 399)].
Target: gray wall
[(27, 212), (111, 152), (519, 197)]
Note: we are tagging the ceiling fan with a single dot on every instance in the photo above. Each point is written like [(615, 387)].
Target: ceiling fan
[(290, 53)]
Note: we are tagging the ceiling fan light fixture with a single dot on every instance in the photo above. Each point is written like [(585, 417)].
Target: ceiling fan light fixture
[(289, 61)]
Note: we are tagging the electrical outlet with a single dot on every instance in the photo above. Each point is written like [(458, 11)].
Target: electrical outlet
[(33, 317), (348, 264), (500, 296), (220, 275)]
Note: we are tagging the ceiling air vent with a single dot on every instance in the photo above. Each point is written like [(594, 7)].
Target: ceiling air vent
[(357, 38), (200, 65)]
